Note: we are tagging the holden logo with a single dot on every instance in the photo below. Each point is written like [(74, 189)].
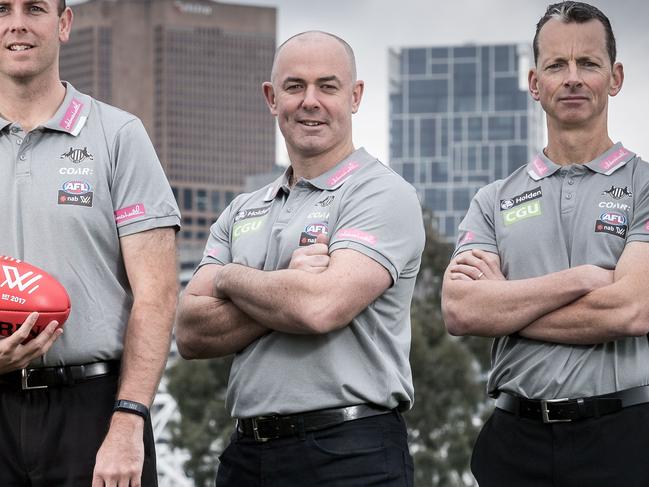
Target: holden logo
[(506, 204), (77, 155)]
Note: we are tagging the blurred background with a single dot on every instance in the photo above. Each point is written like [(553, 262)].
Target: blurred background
[(445, 105)]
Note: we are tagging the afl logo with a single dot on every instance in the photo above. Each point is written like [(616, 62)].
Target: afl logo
[(613, 218), (506, 204), (76, 187), (316, 229)]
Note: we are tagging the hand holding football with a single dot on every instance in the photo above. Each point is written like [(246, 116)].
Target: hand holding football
[(25, 288)]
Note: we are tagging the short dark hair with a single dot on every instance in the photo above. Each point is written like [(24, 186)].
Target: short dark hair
[(61, 7), (578, 12)]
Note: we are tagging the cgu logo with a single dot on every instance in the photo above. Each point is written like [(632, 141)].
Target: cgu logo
[(76, 187), (249, 226), (522, 212), (613, 217), (23, 282)]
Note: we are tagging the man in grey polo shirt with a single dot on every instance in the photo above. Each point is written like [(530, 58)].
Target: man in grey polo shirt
[(309, 282), (84, 198), (553, 262)]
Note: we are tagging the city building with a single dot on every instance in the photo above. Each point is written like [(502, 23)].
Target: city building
[(460, 117), (192, 71)]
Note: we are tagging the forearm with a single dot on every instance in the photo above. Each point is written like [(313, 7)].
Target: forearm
[(497, 307), (284, 300), (209, 327), (146, 347), (601, 316)]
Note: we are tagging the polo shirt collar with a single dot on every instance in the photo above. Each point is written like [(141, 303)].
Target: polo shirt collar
[(73, 112), (281, 183), (607, 163), (335, 177), (4, 123)]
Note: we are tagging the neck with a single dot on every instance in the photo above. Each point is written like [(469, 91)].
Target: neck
[(311, 166), (576, 145), (30, 103)]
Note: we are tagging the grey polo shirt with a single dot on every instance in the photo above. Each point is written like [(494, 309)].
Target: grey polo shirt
[(71, 188), (545, 218), (361, 205)]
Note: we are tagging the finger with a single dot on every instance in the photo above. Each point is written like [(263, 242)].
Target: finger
[(491, 259), (97, 481), (322, 239), (458, 276), (45, 339), (22, 333), (474, 273), (317, 249)]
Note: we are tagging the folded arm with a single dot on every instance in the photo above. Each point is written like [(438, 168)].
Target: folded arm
[(618, 310), (477, 300), (209, 326), (294, 301)]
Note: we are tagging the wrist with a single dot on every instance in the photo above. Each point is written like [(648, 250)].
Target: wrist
[(131, 408)]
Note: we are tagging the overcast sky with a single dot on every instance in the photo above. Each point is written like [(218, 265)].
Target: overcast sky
[(374, 26)]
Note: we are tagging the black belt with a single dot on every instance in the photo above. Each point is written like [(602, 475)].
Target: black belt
[(44, 377), (565, 410), (264, 428)]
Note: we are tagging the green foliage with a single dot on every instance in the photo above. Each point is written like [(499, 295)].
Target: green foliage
[(199, 387), (446, 373)]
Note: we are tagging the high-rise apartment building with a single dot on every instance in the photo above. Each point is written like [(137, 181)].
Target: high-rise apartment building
[(192, 71), (460, 117)]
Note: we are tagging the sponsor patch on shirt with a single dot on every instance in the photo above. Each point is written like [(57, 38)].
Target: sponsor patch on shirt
[(343, 173), (75, 192), (251, 213), (311, 232), (356, 234), (614, 159), (612, 222), (71, 114), (522, 212), (129, 212), (518, 200), (469, 236)]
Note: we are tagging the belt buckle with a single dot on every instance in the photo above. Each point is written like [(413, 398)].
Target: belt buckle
[(255, 429), (545, 412), (24, 380)]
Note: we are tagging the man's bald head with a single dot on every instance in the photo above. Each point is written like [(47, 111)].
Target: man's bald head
[(311, 36)]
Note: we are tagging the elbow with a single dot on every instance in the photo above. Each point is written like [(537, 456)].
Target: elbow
[(457, 320), (638, 320), (320, 317), (186, 343)]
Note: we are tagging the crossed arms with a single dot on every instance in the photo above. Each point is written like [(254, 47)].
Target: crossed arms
[(580, 306), (226, 308)]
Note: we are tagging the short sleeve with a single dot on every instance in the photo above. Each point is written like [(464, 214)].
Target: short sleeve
[(217, 250), (639, 225), (381, 218), (141, 195), (477, 229)]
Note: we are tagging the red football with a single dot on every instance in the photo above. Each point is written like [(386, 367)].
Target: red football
[(25, 288)]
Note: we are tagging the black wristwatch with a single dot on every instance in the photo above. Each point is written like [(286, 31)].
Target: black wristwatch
[(126, 406)]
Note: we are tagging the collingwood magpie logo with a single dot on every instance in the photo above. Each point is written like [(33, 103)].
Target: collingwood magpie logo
[(77, 155), (326, 202), (618, 193)]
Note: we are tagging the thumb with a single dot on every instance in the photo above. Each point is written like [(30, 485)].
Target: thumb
[(322, 238)]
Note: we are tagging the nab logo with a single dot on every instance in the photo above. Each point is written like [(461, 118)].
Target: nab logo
[(76, 187), (23, 282), (613, 218)]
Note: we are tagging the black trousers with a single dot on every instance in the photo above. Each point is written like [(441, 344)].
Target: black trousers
[(369, 452), (609, 451), (50, 437)]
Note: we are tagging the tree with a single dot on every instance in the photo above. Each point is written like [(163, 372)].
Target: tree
[(198, 388), (447, 372)]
